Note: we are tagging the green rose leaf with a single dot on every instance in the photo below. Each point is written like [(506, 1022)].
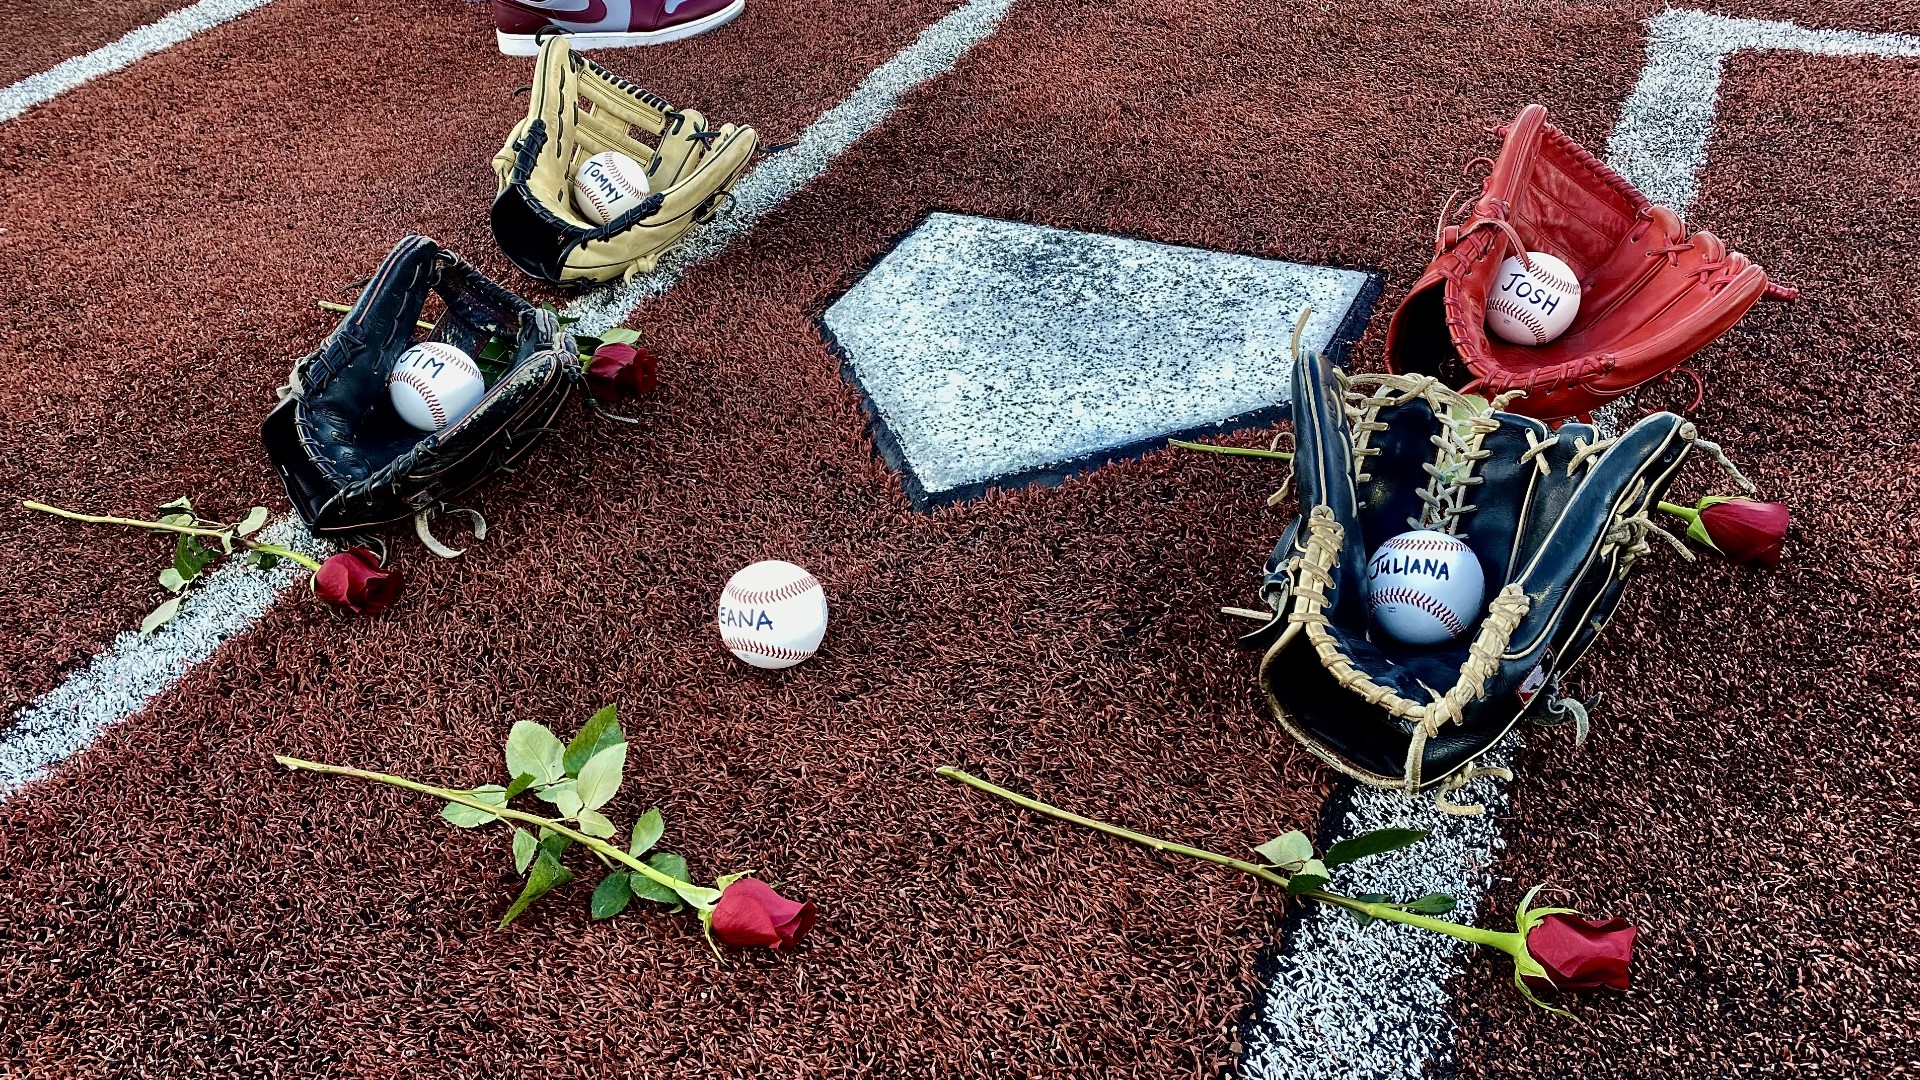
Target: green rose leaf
[(647, 832), (1377, 842), (619, 335), (1311, 875), (171, 580), (564, 796), (251, 524), (646, 888), (555, 844), (547, 874), (520, 784), (190, 557), (1287, 849), (263, 560), (534, 750), (594, 823), (182, 503), (1434, 903), (160, 616), (466, 817), (674, 867), (599, 733), (611, 896), (525, 847), (1362, 917), (599, 778)]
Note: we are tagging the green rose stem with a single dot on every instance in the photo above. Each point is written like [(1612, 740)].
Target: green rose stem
[(686, 890), (1513, 944), (1236, 451), (329, 305), (189, 530)]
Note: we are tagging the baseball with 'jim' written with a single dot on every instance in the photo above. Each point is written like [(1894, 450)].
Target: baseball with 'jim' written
[(772, 614)]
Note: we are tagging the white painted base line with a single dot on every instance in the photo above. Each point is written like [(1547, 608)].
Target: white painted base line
[(134, 669), (122, 680), (935, 51), (1660, 142), (1347, 1002), (169, 30), (1372, 1004)]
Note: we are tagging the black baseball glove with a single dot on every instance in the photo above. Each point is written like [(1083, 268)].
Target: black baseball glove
[(1557, 519), (350, 463)]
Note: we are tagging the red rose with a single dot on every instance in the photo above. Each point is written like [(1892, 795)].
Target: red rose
[(751, 914), (1743, 530), (1583, 953), (618, 369), (354, 580)]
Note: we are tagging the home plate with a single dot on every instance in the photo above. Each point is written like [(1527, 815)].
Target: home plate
[(994, 354)]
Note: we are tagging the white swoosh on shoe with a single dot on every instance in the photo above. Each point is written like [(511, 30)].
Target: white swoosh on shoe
[(571, 7)]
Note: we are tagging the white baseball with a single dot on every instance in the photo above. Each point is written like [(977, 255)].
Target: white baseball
[(433, 384), (772, 614), (608, 185), (1424, 587), (1533, 306)]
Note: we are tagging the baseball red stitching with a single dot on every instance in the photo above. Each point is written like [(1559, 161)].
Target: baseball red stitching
[(773, 652), (1507, 308), (453, 356), (613, 176), (1422, 601), (427, 394), (1412, 544), (763, 597)]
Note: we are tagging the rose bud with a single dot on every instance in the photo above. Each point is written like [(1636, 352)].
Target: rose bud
[(619, 368), (750, 914), (353, 580), (1580, 954), (1741, 529)]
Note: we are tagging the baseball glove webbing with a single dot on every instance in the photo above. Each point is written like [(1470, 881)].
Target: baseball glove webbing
[(1557, 518), (1651, 295), (579, 109)]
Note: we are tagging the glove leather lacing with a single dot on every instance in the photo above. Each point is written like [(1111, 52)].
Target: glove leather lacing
[(1312, 574)]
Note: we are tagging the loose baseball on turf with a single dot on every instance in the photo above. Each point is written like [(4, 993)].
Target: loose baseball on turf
[(608, 185), (1532, 305), (1424, 587), (772, 614), (433, 384)]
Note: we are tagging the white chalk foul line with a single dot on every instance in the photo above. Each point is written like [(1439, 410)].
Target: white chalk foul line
[(1372, 1003), (133, 670), (936, 50), (1661, 140), (166, 31)]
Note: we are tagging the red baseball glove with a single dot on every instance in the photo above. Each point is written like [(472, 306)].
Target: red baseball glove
[(1650, 295)]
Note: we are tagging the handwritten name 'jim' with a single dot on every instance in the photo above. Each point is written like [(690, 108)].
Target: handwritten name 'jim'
[(1424, 587), (772, 614)]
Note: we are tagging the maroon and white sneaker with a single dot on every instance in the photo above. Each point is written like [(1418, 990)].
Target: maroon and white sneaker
[(607, 24)]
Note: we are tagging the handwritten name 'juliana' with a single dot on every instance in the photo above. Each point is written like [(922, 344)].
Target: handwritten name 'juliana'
[(1433, 568), (744, 619)]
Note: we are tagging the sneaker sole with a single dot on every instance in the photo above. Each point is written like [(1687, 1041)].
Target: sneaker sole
[(529, 44)]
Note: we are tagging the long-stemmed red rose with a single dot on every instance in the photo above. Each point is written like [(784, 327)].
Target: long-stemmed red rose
[(577, 779), (1551, 947)]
